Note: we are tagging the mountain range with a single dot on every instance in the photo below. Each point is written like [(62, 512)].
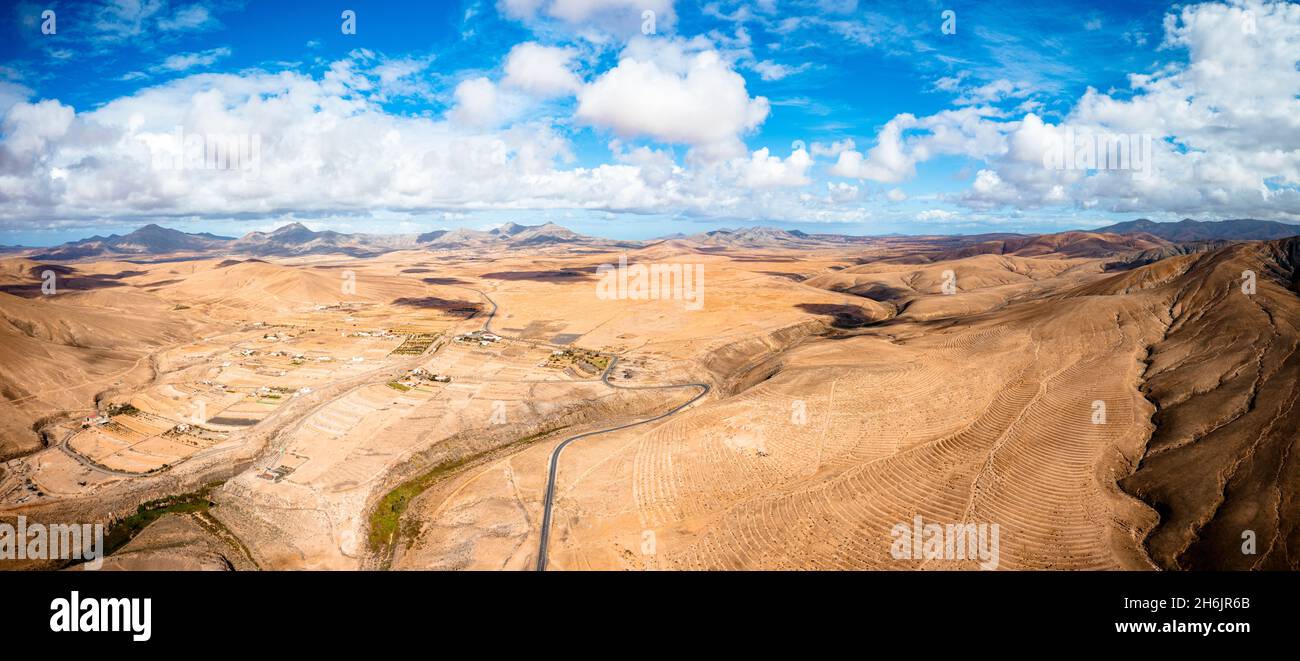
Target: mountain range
[(1243, 229), (295, 239)]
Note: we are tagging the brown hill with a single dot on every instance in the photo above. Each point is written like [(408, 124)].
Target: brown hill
[(58, 352), (1240, 229), (1069, 244), (1221, 464)]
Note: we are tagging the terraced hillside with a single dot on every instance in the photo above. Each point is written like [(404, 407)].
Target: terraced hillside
[(1133, 420)]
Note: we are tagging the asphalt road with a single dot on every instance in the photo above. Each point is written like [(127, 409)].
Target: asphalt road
[(548, 503)]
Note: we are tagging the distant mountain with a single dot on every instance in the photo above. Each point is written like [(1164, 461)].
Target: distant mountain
[(148, 240), (1245, 229), (509, 229), (1070, 244), (542, 235), (753, 237), (767, 237), (513, 235), (296, 239), (457, 238)]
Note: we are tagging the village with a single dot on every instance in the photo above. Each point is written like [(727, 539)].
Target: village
[(235, 390)]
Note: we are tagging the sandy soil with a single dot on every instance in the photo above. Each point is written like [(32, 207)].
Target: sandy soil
[(854, 389)]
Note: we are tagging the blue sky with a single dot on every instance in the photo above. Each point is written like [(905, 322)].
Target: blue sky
[(873, 118)]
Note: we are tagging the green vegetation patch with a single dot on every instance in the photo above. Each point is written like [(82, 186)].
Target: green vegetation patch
[(122, 409), (125, 530), (385, 521)]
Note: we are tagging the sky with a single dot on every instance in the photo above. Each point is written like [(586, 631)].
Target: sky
[(642, 118)]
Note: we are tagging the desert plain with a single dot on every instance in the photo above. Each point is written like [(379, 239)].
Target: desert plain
[(1110, 400)]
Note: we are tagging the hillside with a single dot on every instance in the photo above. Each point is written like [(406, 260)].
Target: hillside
[(1220, 465), (1069, 244), (1244, 229), (148, 240)]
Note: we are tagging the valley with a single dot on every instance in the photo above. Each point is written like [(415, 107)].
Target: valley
[(1107, 400)]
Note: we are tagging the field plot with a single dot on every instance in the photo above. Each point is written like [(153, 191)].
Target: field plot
[(306, 508), (140, 442)]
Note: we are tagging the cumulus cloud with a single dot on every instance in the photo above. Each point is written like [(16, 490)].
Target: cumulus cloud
[(11, 93), (906, 140), (543, 71), (1222, 138), (886, 162), (671, 92), (326, 145), (834, 149), (764, 170), (478, 104), (841, 193)]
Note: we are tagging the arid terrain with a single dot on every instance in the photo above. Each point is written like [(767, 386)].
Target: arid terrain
[(1114, 399)]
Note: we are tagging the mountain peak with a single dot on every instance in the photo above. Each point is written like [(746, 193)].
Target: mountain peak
[(509, 229), (291, 228)]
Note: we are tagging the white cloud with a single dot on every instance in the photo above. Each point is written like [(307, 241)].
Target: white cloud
[(543, 71), (187, 61), (674, 93), (764, 170), (1224, 139), (478, 104), (994, 92), (11, 93), (935, 214), (769, 70), (623, 17), (840, 192), (193, 17), (834, 149), (886, 162), (118, 20), (328, 147)]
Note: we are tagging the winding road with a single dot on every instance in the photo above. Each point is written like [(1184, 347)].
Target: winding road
[(548, 503)]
